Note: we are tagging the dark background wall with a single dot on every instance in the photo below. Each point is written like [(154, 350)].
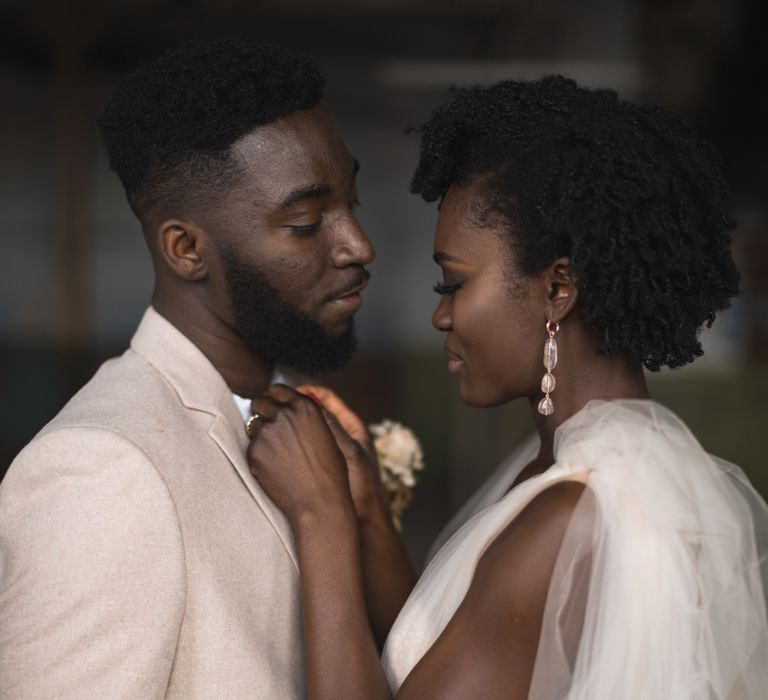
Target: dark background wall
[(75, 278)]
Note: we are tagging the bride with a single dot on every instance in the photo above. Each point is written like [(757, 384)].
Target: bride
[(581, 238)]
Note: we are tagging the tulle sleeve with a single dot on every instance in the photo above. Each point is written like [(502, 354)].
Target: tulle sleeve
[(659, 587)]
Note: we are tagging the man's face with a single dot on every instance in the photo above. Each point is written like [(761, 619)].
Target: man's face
[(291, 257)]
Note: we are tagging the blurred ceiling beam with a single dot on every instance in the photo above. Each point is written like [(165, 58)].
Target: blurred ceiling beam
[(131, 31)]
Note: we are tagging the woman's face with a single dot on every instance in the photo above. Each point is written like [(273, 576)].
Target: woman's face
[(491, 315)]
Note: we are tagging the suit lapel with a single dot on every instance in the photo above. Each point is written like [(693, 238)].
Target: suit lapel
[(201, 388), (234, 443)]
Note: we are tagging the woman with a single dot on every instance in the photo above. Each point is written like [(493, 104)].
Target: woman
[(581, 238)]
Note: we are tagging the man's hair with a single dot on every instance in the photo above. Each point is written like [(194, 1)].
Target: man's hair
[(628, 192), (169, 127)]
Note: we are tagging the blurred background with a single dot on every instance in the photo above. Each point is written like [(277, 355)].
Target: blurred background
[(75, 277)]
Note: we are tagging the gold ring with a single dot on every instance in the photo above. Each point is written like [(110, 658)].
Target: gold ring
[(249, 423)]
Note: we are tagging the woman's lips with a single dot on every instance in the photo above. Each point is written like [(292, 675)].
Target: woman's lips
[(455, 361)]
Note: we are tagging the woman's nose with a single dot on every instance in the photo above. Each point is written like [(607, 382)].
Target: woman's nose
[(441, 318)]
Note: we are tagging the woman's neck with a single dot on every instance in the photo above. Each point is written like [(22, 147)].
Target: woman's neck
[(580, 379)]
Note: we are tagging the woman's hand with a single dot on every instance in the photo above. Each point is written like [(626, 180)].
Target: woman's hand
[(314, 458), (354, 441), (296, 459)]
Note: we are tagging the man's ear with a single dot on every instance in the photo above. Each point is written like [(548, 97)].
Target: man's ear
[(561, 289), (184, 249)]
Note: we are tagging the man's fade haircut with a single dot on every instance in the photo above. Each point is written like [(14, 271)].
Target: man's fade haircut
[(628, 192), (170, 124)]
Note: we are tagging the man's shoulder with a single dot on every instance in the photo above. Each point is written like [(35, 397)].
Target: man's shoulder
[(125, 404), (125, 391), (114, 423)]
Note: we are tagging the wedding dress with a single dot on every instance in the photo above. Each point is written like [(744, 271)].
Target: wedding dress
[(666, 560)]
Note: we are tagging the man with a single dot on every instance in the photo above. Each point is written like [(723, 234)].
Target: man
[(138, 558)]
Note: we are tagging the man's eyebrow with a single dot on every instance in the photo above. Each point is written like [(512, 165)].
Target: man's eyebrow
[(314, 191), (308, 192), (440, 257)]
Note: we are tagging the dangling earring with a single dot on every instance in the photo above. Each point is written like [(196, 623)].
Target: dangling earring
[(546, 407)]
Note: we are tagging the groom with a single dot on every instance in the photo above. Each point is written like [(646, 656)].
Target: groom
[(138, 558)]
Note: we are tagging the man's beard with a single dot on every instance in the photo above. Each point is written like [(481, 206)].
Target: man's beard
[(277, 330)]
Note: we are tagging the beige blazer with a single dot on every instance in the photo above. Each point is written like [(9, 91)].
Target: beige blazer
[(138, 557)]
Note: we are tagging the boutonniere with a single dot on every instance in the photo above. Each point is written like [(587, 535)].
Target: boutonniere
[(400, 458)]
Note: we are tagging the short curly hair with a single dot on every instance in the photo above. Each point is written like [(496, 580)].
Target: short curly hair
[(170, 124), (628, 192)]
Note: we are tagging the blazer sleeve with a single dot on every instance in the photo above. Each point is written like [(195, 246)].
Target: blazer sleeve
[(92, 573)]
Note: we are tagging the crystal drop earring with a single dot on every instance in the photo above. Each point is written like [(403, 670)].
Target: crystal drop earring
[(546, 407)]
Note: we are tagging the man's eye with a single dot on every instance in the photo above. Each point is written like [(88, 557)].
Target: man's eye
[(307, 230), (443, 288)]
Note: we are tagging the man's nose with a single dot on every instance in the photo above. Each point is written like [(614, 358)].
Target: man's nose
[(353, 246)]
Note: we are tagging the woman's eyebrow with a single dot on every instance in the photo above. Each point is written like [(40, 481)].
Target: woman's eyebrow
[(441, 256)]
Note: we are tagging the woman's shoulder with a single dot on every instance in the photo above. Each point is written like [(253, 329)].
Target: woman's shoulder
[(631, 441), (519, 561), (621, 424)]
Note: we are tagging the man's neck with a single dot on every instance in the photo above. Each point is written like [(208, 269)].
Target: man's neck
[(245, 373)]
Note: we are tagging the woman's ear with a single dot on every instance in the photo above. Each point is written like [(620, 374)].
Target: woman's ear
[(183, 248), (561, 289)]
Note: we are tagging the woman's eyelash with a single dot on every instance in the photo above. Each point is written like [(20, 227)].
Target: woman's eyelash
[(442, 288), (307, 230)]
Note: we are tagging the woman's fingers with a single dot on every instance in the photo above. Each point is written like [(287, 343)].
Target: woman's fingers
[(283, 394), (264, 409), (347, 429), (276, 398), (347, 418), (343, 439)]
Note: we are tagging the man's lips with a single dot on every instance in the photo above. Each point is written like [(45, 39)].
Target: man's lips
[(354, 289), (349, 297)]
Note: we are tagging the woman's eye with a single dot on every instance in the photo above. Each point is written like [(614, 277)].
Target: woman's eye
[(307, 230), (443, 288)]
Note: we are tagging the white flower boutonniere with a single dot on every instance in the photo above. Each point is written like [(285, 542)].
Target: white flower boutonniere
[(400, 458)]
